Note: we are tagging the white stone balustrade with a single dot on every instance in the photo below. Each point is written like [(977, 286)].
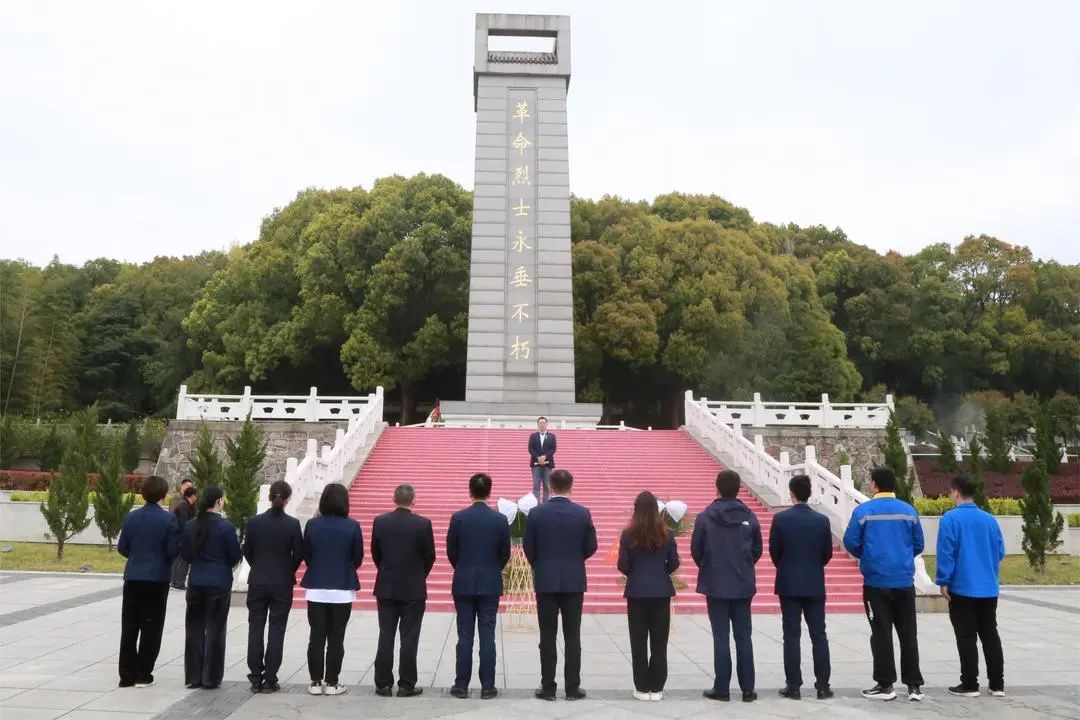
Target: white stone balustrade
[(826, 414), (305, 408)]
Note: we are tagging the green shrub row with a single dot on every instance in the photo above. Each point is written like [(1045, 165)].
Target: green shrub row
[(934, 507), (1074, 519), (25, 438), (37, 496)]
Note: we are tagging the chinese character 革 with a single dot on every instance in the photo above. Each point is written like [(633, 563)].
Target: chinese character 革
[(520, 143), (521, 111), (520, 349), (521, 209), (519, 312), (520, 242), (521, 176), (521, 277)]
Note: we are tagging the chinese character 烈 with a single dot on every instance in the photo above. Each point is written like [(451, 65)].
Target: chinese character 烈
[(520, 349), (520, 143), (521, 277), (521, 111), (520, 244), (519, 312), (521, 209), (521, 176)]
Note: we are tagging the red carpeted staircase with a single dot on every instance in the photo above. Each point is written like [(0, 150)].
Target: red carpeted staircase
[(610, 468)]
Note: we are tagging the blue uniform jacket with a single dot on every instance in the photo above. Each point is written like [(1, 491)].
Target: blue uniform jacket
[(970, 547), (885, 535)]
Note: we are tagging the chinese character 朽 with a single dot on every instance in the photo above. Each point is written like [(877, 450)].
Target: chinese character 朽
[(521, 111), (521, 277), (520, 349), (520, 143), (520, 244), (519, 312), (521, 209), (521, 176)]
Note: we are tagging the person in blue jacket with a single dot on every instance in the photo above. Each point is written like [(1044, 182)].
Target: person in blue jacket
[(333, 551), (647, 557), (212, 547), (885, 535), (970, 548), (150, 540)]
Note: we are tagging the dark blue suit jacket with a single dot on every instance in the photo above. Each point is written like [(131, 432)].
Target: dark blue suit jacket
[(648, 572), (801, 545), (559, 538), (547, 449), (213, 565), (150, 540), (478, 547), (333, 550), (273, 546)]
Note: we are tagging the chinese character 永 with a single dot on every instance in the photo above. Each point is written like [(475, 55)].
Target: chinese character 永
[(520, 143), (520, 349), (521, 176), (521, 277), (519, 312), (521, 209), (521, 111), (520, 242)]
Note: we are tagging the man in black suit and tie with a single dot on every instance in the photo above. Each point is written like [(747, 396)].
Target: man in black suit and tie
[(801, 545), (403, 548), (559, 538), (478, 547), (542, 458)]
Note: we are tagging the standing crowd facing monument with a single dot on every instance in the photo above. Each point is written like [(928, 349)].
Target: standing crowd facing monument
[(884, 534)]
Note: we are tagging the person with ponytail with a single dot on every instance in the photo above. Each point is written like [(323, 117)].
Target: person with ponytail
[(273, 547), (647, 557), (211, 546)]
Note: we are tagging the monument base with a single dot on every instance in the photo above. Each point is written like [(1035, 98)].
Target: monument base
[(457, 413)]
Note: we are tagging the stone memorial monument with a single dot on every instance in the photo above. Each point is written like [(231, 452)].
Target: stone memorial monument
[(520, 360)]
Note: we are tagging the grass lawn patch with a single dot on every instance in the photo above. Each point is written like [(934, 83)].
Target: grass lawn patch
[(1060, 570), (42, 556)]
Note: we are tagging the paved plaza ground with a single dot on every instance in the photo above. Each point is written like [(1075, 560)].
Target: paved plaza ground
[(59, 640)]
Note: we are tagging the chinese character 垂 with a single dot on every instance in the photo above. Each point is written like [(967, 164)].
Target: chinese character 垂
[(521, 277)]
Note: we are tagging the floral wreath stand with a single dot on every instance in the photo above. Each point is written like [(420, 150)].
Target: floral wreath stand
[(519, 600)]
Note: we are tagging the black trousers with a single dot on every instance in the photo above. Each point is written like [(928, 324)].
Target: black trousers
[(142, 620), (887, 608), (275, 602), (549, 606), (727, 617), (205, 623), (649, 621), (475, 613), (793, 610), (408, 615), (326, 644), (180, 572), (977, 618)]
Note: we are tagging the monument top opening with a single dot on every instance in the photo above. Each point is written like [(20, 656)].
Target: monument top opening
[(550, 62)]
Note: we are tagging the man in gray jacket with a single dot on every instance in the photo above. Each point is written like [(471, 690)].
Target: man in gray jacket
[(725, 546)]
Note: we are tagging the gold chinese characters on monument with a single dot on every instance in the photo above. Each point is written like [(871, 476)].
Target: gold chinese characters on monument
[(521, 233)]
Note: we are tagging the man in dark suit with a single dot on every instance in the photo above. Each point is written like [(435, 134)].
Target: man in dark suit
[(542, 458), (559, 538), (478, 547), (801, 545), (403, 548)]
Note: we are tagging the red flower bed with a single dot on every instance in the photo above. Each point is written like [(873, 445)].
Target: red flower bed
[(1064, 487), (34, 480)]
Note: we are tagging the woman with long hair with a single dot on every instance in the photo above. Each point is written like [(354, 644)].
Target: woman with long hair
[(211, 546), (647, 557), (333, 550), (273, 547)]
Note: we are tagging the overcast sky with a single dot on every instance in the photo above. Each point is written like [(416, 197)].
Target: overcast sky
[(135, 129)]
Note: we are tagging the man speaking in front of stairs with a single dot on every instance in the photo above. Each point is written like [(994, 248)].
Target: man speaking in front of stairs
[(542, 458)]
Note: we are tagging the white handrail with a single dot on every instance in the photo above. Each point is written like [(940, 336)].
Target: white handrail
[(825, 414), (308, 408)]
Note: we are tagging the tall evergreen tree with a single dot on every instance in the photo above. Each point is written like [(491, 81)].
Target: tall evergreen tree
[(52, 450), (946, 452), (132, 447), (974, 467), (1046, 447), (997, 444), (9, 441), (111, 503), (1042, 526), (206, 467), (896, 457), (246, 456), (66, 509)]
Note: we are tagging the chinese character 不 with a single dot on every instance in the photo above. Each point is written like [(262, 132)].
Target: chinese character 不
[(521, 209), (520, 143), (521, 111), (520, 244), (519, 312), (521, 277), (520, 349), (521, 176)]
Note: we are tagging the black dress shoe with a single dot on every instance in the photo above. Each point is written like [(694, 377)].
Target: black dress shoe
[(211, 687), (126, 683), (256, 686), (749, 696), (790, 693), (575, 694), (824, 694), (713, 695), (193, 686), (270, 687), (409, 691), (459, 693), (384, 691), (488, 693), (542, 694)]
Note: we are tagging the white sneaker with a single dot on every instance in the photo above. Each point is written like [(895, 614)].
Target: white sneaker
[(656, 696), (338, 689), (914, 693), (638, 695), (144, 684), (997, 693), (315, 688)]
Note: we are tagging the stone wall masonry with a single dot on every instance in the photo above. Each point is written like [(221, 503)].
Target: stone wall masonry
[(861, 446)]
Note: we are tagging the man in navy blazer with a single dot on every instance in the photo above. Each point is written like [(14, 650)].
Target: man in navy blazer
[(478, 547), (559, 538), (801, 545), (542, 458)]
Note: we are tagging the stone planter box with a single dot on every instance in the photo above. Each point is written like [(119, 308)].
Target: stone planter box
[(1011, 528)]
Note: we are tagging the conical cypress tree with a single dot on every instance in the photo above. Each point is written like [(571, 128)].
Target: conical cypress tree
[(132, 448), (246, 456), (974, 468), (946, 452), (67, 508), (52, 450), (206, 468), (997, 445), (1046, 448), (111, 503), (1042, 526)]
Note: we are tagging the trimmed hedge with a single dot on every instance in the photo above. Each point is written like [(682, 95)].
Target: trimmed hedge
[(38, 496), (35, 480), (1074, 520), (935, 507)]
